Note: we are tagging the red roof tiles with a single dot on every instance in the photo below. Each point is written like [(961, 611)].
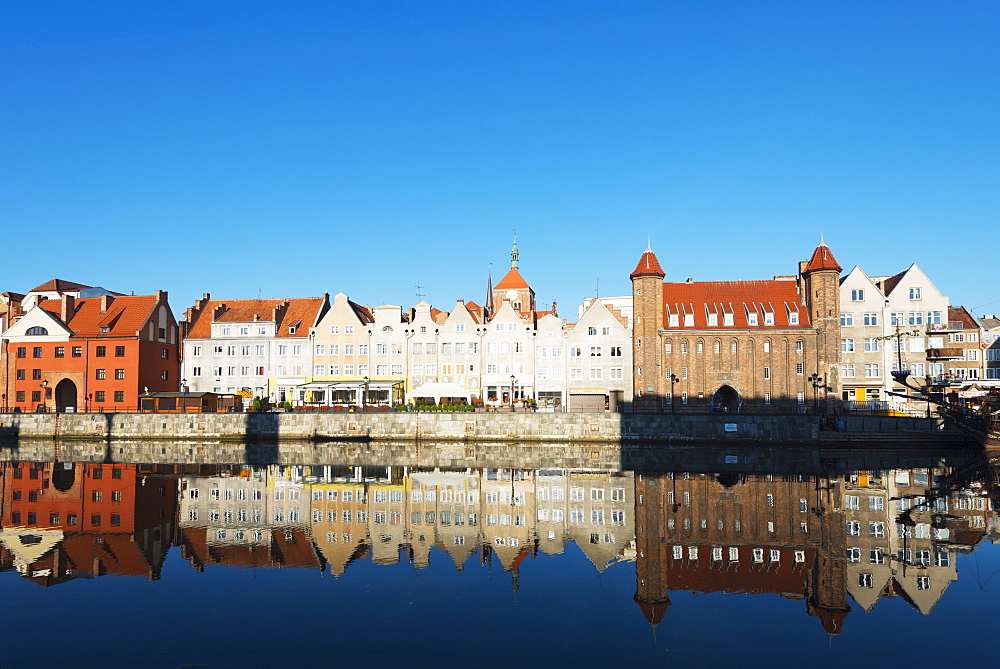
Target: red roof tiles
[(124, 317), (648, 266), (513, 279), (300, 313), (738, 298), (822, 258)]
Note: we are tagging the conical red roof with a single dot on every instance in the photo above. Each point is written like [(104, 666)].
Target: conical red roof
[(648, 266), (822, 258)]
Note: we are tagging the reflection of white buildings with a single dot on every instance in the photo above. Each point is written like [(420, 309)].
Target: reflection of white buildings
[(903, 536)]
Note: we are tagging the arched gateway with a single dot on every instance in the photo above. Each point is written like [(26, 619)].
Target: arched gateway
[(65, 395), (727, 400)]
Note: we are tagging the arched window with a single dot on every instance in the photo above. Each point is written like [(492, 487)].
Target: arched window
[(387, 328), (37, 330)]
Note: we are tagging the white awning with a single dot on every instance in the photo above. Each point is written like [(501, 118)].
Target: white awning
[(437, 390), (348, 385)]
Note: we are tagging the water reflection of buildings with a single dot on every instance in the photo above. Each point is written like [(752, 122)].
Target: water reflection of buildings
[(864, 535), (328, 515), (63, 520), (869, 534), (903, 530)]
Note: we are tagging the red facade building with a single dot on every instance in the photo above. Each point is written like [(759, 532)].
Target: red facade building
[(90, 354)]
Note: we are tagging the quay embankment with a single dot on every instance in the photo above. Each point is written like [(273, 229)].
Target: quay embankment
[(539, 428)]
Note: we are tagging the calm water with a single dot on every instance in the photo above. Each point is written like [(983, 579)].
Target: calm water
[(889, 558)]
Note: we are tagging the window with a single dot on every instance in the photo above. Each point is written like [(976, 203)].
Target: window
[(164, 375), (77, 352), (120, 374), (100, 374), (914, 293), (872, 370), (857, 295), (876, 529), (871, 345), (119, 396), (871, 319), (99, 352), (767, 372), (98, 395), (847, 345), (848, 370), (846, 320), (799, 367), (60, 351), (21, 374)]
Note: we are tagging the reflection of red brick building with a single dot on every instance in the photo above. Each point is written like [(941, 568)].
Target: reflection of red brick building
[(62, 520), (96, 353), (751, 534)]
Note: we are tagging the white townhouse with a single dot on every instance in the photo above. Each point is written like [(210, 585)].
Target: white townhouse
[(886, 321), (254, 348)]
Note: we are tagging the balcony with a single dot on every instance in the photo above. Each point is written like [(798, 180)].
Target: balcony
[(945, 354)]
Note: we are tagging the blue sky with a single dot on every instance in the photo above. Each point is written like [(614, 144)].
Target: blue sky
[(295, 148)]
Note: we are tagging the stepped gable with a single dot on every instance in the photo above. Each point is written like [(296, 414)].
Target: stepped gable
[(822, 258), (648, 265), (701, 298), (512, 279), (125, 315)]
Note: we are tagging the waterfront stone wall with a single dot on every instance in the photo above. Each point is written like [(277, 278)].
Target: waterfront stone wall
[(608, 428)]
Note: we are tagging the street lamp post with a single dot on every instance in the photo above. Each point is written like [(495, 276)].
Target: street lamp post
[(816, 381), (512, 381), (45, 388), (364, 395), (673, 396), (184, 389)]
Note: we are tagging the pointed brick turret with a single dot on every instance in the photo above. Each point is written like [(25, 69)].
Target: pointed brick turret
[(648, 266), (822, 258)]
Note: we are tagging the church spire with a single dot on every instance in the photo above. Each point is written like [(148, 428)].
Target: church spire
[(513, 253), (489, 291)]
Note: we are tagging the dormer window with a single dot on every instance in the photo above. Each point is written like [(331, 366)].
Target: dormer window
[(727, 319), (713, 320), (768, 318), (226, 332), (674, 320), (291, 329), (689, 320), (37, 331), (793, 318), (245, 330), (751, 318), (104, 330)]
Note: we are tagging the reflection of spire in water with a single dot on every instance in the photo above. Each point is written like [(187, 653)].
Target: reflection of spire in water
[(515, 582)]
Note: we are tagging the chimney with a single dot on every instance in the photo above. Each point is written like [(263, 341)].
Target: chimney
[(161, 296), (106, 301), (218, 311), (67, 308)]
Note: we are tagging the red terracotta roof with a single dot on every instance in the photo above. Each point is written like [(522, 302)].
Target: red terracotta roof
[(648, 265), (364, 314), (474, 310), (736, 297), (889, 284), (513, 279), (126, 315), (961, 315), (59, 285), (300, 312), (822, 258)]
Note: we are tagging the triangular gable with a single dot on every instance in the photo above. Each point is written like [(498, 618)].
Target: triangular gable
[(913, 277), (38, 317)]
